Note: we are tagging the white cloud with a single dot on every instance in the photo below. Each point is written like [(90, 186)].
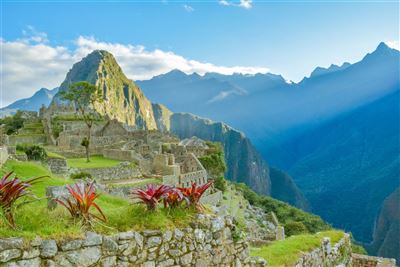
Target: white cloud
[(393, 44), (31, 63), (188, 8), (246, 4)]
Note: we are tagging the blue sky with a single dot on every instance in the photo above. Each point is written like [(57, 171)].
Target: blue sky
[(286, 37)]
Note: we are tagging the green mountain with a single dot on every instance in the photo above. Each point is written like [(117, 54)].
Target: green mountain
[(124, 101)]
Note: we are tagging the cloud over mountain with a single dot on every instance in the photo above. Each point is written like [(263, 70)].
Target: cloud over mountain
[(32, 62)]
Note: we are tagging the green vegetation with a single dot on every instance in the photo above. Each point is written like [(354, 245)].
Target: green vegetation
[(295, 228), (33, 152), (54, 155), (214, 163), (235, 203), (96, 162), (84, 96), (35, 219), (287, 252), (358, 249), (12, 123), (80, 175), (285, 213)]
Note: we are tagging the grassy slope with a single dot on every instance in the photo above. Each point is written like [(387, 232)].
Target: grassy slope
[(95, 162), (287, 252), (35, 219)]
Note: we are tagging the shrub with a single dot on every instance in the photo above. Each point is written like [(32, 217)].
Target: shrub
[(11, 190), (152, 195), (295, 228), (220, 183), (194, 193), (81, 175), (81, 202), (33, 152)]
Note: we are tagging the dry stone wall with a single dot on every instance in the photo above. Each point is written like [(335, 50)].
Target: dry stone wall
[(208, 242), (359, 260), (326, 255), (123, 171)]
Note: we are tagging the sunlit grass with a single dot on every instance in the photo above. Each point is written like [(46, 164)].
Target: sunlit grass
[(287, 252), (95, 162)]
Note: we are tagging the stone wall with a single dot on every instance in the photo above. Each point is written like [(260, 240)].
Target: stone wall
[(326, 255), (121, 172), (28, 139), (3, 155), (208, 242), (118, 154), (57, 165), (359, 260)]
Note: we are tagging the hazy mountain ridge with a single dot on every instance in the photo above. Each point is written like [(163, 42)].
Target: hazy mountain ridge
[(41, 97)]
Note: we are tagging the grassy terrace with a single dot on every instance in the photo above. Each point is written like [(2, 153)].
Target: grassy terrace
[(35, 219), (287, 252), (95, 162)]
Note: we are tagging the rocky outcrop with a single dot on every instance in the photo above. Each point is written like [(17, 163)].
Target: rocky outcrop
[(208, 242), (123, 100)]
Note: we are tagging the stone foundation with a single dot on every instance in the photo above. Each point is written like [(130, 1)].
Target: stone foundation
[(57, 165), (3, 155), (208, 242)]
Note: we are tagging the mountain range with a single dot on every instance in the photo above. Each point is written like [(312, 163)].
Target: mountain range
[(335, 132), (41, 97)]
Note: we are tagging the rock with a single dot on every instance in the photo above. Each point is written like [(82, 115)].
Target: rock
[(174, 252), (30, 254), (149, 264), (71, 245), (199, 235), (151, 232), (48, 248), (25, 263), (167, 236), (92, 239), (9, 254), (36, 242), (109, 261), (186, 259), (217, 224), (9, 243), (139, 239), (84, 257), (109, 246), (153, 241), (179, 234), (166, 263), (126, 235)]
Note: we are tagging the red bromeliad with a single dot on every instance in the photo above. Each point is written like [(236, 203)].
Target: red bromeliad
[(174, 198), (194, 193), (152, 195), (12, 189), (81, 201)]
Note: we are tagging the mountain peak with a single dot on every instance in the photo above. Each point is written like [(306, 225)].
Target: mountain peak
[(382, 46)]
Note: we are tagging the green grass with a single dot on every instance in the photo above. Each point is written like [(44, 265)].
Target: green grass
[(287, 252), (54, 155), (34, 219), (95, 162)]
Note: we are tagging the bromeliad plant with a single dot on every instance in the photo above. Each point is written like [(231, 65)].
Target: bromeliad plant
[(174, 198), (194, 193), (152, 195), (11, 190), (80, 203)]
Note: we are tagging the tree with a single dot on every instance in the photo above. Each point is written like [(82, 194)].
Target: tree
[(84, 95), (12, 123)]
